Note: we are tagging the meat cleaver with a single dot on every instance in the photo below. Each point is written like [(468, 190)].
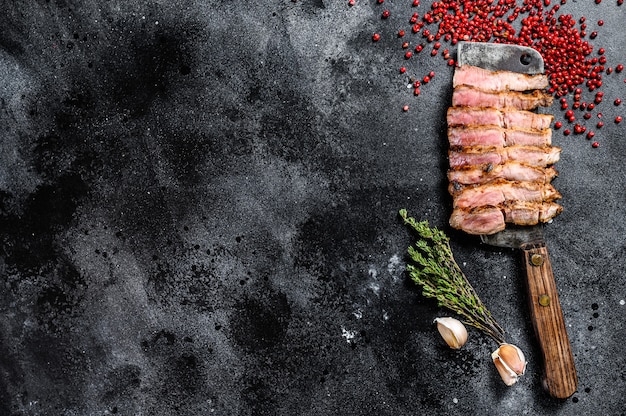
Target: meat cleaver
[(560, 378)]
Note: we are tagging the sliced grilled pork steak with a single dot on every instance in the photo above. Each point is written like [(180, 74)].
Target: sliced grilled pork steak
[(500, 151)]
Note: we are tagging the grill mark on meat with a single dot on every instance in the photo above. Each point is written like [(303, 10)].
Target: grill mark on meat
[(474, 97), (481, 155), (514, 171), (506, 118), (497, 136), (492, 219), (500, 191), (497, 80)]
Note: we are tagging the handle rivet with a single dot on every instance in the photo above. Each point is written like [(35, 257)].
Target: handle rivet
[(544, 300), (536, 259)]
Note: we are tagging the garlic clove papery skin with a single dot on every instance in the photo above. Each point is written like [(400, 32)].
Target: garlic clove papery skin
[(510, 363), (452, 331)]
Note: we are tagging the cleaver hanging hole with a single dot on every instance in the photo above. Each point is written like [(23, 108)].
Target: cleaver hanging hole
[(525, 59)]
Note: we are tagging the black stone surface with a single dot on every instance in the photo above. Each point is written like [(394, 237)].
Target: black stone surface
[(198, 215)]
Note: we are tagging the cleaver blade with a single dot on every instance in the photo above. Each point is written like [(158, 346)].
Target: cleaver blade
[(560, 379)]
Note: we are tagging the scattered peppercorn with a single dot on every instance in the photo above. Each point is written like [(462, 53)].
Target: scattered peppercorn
[(572, 68), (405, 108), (618, 119), (595, 144)]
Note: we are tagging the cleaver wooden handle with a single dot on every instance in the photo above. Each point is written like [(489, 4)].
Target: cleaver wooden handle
[(560, 378)]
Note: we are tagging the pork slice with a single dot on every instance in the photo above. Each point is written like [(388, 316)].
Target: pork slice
[(535, 156), (478, 221), (477, 135), (489, 116), (514, 171), (497, 136), (497, 80), (487, 220), (526, 119), (530, 213), (500, 191), (474, 116), (473, 97), (459, 157), (482, 155), (527, 137)]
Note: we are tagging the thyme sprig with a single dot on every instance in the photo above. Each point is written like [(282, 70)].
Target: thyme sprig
[(441, 278)]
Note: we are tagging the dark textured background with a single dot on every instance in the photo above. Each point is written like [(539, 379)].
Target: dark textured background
[(198, 215)]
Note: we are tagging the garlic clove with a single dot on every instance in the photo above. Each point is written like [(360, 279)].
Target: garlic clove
[(510, 363), (452, 331)]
